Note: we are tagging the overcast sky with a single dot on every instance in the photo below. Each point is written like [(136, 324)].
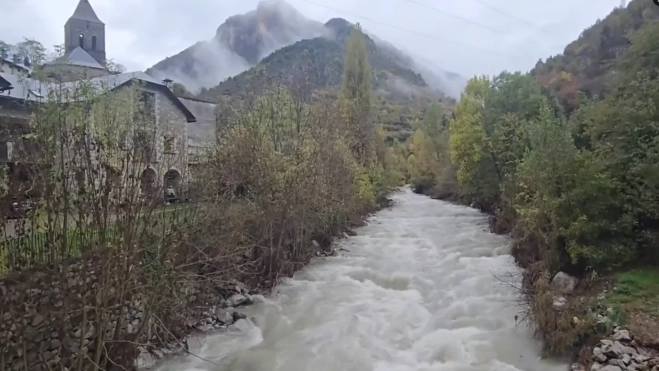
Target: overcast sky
[(465, 36)]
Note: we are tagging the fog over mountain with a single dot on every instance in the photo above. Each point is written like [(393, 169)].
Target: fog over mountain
[(245, 39), (239, 44), (468, 37)]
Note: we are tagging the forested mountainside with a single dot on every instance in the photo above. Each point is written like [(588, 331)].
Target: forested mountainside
[(566, 160), (402, 94), (243, 40), (276, 45), (587, 64)]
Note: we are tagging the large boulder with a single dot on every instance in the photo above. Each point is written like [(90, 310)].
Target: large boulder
[(239, 299), (563, 283)]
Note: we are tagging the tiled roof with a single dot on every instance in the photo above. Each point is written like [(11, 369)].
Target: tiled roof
[(37, 91), (12, 58), (24, 88), (78, 57)]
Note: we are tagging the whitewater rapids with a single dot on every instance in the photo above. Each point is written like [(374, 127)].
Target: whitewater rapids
[(418, 289)]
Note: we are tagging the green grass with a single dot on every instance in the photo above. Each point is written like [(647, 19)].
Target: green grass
[(637, 290), (35, 248)]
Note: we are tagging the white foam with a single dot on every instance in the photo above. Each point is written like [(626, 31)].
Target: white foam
[(418, 290)]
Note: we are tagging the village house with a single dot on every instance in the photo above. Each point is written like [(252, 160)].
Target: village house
[(171, 150), (13, 65)]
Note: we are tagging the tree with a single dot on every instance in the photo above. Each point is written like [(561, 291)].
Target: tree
[(469, 144), (33, 50), (58, 51), (356, 94), (433, 169), (357, 73), (4, 49), (180, 90), (114, 67)]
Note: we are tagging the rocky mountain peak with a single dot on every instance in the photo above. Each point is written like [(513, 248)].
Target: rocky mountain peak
[(274, 23)]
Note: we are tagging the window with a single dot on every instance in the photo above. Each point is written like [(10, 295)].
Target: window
[(93, 42), (169, 144), (81, 41)]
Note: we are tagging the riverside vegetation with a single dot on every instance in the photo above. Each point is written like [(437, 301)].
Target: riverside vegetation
[(116, 273), (565, 159)]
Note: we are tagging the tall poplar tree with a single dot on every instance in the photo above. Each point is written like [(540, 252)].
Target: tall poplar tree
[(357, 94)]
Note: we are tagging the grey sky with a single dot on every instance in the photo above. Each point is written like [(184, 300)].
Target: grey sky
[(141, 32)]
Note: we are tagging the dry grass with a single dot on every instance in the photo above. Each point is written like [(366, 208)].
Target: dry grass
[(565, 331)]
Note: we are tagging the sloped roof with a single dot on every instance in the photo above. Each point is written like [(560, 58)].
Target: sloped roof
[(12, 57), (4, 83), (37, 91), (85, 12), (78, 57), (24, 88)]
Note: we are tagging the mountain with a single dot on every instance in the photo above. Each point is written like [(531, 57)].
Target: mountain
[(402, 95), (587, 64), (276, 45), (449, 83), (321, 59), (239, 44), (242, 41)]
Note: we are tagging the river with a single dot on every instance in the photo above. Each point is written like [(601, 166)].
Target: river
[(416, 290)]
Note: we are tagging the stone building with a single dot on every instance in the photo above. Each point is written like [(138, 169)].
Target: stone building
[(13, 66), (166, 147), (170, 149), (84, 47)]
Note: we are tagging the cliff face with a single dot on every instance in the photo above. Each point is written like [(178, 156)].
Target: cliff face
[(239, 43), (245, 40), (272, 25)]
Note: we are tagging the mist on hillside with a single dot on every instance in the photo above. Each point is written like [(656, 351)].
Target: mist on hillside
[(243, 40), (207, 64), (239, 44)]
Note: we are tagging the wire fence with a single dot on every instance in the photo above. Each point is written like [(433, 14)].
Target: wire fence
[(26, 250)]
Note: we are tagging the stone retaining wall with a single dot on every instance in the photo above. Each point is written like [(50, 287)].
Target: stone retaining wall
[(52, 318), (620, 352)]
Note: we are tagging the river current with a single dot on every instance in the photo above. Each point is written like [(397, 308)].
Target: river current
[(419, 288)]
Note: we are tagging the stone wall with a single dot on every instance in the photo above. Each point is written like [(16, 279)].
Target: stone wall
[(201, 134), (56, 317)]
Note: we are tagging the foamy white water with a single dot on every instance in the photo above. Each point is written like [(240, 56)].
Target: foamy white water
[(416, 291)]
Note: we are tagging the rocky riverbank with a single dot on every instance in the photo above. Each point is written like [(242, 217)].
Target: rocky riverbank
[(580, 319), (620, 352), (221, 317), (216, 318)]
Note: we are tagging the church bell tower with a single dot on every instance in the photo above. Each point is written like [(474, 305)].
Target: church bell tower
[(85, 30)]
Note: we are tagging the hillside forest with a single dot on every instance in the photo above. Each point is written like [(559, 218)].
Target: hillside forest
[(566, 159)]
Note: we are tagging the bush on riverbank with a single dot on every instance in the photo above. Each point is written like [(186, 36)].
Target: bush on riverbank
[(578, 191), (289, 173)]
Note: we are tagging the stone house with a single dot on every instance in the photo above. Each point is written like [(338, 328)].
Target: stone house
[(165, 147), (169, 148), (13, 66)]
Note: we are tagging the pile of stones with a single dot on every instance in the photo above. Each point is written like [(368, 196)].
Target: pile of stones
[(621, 353), (215, 318)]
